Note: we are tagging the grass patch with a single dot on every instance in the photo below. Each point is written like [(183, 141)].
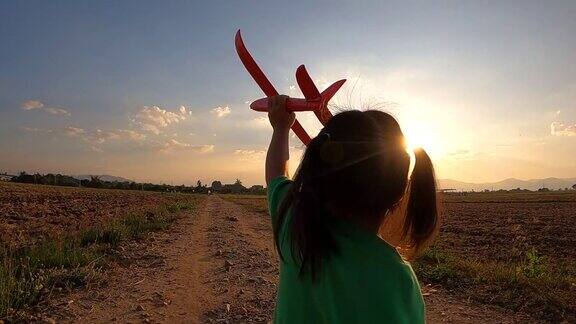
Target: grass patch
[(533, 286), (251, 202), (29, 274)]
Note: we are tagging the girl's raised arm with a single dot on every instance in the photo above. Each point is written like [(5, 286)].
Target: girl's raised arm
[(278, 154)]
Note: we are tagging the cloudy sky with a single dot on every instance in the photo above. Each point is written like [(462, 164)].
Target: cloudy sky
[(153, 90)]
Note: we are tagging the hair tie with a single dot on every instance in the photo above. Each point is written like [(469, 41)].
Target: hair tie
[(326, 135)]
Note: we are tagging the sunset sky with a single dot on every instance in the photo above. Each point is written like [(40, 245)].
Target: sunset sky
[(154, 91)]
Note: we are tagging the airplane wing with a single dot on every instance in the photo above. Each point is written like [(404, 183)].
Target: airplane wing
[(264, 83), (306, 84), (253, 67)]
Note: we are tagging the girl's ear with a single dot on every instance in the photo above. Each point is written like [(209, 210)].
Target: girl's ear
[(422, 218)]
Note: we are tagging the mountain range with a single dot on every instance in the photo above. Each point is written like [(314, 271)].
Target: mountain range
[(507, 184)]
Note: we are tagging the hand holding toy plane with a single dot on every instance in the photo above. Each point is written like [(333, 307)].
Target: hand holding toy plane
[(314, 100)]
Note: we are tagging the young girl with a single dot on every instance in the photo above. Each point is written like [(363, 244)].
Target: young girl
[(335, 268)]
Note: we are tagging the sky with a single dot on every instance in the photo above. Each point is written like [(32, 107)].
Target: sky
[(154, 91)]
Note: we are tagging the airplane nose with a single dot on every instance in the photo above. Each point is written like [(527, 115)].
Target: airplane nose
[(260, 105)]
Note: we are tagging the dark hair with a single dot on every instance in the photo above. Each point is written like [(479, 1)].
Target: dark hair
[(356, 168)]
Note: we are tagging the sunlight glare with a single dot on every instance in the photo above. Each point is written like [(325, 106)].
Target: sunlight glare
[(422, 136)]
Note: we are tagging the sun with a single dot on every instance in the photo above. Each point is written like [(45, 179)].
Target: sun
[(422, 136)]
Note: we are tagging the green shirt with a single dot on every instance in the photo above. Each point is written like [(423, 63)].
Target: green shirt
[(366, 282)]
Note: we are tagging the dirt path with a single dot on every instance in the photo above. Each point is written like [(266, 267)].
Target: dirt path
[(216, 265)]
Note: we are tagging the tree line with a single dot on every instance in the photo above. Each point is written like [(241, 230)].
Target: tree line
[(95, 182)]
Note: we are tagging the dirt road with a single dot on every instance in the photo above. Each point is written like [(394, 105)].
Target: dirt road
[(216, 265)]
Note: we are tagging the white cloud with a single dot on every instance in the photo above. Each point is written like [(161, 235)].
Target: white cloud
[(154, 118), (130, 135), (39, 105), (57, 111), (221, 111), (250, 155), (260, 122), (31, 105), (94, 138), (35, 130), (95, 148), (72, 131), (99, 136), (173, 145), (560, 129)]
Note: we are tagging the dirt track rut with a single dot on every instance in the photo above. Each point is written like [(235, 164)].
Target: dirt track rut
[(216, 265)]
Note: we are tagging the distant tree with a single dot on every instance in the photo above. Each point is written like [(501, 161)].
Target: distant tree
[(543, 190), (200, 188), (23, 177), (216, 185), (257, 190), (95, 182), (49, 179), (235, 188)]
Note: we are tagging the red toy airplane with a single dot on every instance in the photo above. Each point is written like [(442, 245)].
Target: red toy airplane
[(315, 100)]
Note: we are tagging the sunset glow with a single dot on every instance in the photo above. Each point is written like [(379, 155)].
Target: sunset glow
[(85, 91), (422, 136)]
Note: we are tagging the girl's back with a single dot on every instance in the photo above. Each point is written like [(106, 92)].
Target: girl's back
[(334, 267), (367, 281)]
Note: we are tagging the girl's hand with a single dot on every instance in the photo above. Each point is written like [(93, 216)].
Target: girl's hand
[(280, 119)]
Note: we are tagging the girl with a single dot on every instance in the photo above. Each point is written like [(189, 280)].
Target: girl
[(334, 266)]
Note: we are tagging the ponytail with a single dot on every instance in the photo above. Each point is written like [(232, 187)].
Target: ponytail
[(304, 211), (421, 219)]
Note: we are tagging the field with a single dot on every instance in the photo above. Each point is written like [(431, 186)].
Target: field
[(32, 213), (54, 239), (514, 250), (503, 227), (95, 255)]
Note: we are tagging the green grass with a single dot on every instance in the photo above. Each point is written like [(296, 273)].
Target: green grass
[(534, 286), (29, 274), (252, 202)]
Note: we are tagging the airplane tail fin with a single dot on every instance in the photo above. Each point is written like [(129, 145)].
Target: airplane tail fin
[(306, 84), (329, 92), (324, 114), (311, 93)]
